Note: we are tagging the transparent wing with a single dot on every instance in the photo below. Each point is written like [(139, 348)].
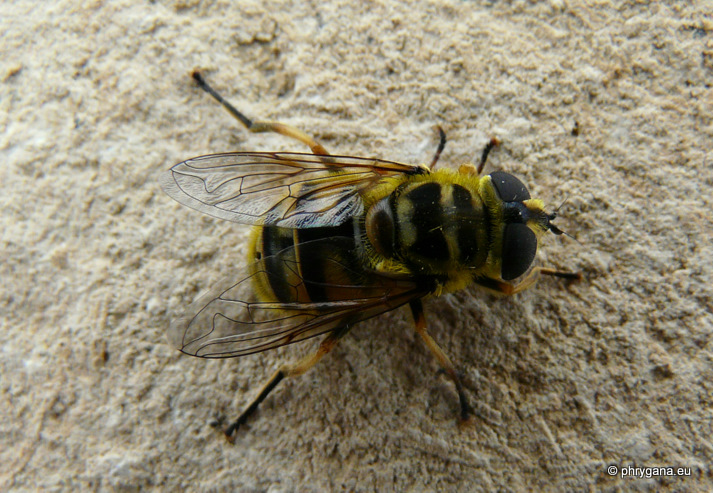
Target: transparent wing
[(291, 190), (231, 320)]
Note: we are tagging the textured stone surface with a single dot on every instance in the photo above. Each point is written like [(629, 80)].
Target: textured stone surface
[(96, 101)]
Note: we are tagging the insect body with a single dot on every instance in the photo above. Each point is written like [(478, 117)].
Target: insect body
[(340, 239)]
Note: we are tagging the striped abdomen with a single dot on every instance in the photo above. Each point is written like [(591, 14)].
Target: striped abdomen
[(307, 265)]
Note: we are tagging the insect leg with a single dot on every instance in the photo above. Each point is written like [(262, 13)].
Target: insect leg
[(441, 146), (286, 371), (258, 127), (502, 287), (486, 151), (575, 276), (443, 360), (534, 275)]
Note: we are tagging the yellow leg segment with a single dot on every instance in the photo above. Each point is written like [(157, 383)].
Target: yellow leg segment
[(286, 371), (259, 127), (443, 359), (502, 287), (292, 132)]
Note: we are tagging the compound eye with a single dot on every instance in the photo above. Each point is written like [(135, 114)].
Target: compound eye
[(509, 188), (519, 249)]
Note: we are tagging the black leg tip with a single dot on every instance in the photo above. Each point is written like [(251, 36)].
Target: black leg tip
[(230, 432)]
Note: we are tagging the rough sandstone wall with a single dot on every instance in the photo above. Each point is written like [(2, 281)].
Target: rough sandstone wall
[(567, 379)]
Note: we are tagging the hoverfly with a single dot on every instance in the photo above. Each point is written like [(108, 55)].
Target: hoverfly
[(340, 239)]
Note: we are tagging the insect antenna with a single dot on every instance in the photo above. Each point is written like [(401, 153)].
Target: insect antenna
[(555, 229)]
